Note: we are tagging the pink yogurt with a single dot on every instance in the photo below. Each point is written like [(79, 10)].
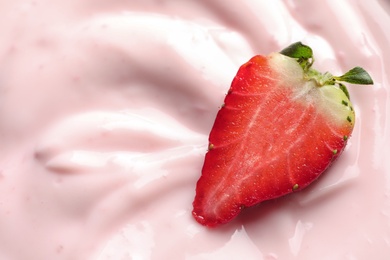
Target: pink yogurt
[(105, 110)]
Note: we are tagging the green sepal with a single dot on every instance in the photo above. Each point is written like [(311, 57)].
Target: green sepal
[(302, 53), (298, 50), (356, 75), (304, 56), (344, 89)]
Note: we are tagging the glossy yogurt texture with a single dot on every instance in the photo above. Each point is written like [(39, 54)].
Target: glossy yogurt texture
[(105, 111)]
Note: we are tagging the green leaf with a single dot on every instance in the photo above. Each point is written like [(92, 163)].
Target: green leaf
[(356, 75), (298, 50)]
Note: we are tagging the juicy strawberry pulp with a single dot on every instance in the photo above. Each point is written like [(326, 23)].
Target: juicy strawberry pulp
[(272, 136)]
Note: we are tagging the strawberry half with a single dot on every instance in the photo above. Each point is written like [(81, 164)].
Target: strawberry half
[(282, 124)]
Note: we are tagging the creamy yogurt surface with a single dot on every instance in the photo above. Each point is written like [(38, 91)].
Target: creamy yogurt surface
[(105, 111)]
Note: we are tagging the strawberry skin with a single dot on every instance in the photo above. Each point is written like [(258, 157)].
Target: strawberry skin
[(279, 128)]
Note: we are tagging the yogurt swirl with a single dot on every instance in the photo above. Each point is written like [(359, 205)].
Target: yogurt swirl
[(106, 107)]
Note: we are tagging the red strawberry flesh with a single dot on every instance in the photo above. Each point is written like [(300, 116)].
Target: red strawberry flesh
[(276, 133)]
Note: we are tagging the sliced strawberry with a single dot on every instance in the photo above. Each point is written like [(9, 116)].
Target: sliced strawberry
[(282, 124)]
